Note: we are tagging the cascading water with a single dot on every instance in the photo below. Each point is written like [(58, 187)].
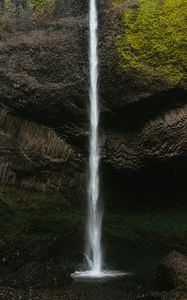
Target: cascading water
[(94, 223)]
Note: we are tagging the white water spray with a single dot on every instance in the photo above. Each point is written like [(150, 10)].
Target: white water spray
[(94, 223)]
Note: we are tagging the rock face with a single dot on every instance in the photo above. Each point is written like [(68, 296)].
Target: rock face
[(44, 97), (149, 142), (172, 272), (33, 155)]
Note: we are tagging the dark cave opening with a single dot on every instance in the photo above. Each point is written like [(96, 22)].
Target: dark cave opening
[(156, 186), (144, 214)]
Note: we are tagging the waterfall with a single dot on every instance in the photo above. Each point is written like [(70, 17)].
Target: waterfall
[(94, 252), (94, 223)]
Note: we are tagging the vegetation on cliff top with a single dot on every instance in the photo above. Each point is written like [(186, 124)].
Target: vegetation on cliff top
[(154, 41), (40, 7)]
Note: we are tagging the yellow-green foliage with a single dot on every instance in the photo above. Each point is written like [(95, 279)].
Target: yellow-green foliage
[(117, 2), (1, 27), (9, 7), (42, 7), (154, 40)]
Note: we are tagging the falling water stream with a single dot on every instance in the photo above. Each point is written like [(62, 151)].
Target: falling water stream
[(93, 254)]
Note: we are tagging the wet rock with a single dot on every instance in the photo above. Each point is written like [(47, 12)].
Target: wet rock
[(172, 272)]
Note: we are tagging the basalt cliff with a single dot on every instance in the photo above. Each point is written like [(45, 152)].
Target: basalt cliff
[(44, 108)]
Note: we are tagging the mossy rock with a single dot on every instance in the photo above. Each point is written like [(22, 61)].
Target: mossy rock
[(172, 272), (152, 46)]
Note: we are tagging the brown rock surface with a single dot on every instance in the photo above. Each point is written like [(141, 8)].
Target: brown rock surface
[(45, 99), (172, 272), (34, 156)]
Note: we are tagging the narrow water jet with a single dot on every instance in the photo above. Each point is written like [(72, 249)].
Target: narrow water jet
[(93, 254), (94, 251)]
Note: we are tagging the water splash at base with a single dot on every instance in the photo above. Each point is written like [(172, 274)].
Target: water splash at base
[(105, 274)]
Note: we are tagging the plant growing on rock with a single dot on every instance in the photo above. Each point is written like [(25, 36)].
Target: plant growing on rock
[(8, 6), (118, 2), (154, 40), (42, 7)]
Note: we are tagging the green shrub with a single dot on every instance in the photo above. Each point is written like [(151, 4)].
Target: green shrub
[(154, 40), (42, 7), (9, 6)]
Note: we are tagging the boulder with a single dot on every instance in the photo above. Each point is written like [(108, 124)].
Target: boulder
[(172, 272)]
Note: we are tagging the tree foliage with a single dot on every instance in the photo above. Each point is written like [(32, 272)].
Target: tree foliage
[(154, 40)]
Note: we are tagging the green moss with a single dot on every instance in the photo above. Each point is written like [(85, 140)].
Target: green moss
[(118, 2), (1, 27), (170, 224), (9, 7), (154, 41), (42, 7), (33, 215), (140, 238)]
